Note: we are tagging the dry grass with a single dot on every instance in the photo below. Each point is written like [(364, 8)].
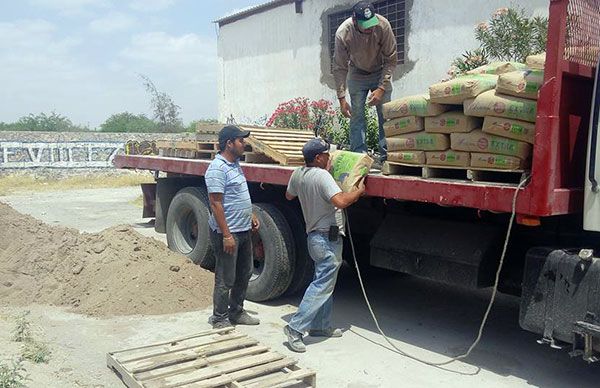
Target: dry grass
[(12, 184), (138, 202)]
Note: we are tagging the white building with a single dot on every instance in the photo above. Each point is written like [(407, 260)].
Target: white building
[(282, 49)]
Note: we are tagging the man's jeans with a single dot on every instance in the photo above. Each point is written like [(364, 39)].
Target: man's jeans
[(315, 309), (232, 273), (358, 90)]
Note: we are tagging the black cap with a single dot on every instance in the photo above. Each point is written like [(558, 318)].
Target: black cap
[(314, 147), (231, 132), (364, 13)]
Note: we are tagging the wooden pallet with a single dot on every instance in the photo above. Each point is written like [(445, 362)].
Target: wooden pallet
[(213, 358), (473, 174), (279, 144)]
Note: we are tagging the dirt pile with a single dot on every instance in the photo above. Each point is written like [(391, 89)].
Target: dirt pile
[(114, 272)]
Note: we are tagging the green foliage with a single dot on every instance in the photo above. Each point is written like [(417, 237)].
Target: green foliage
[(36, 352), (508, 36), (128, 122), (512, 36), (340, 135), (22, 330), (12, 376), (166, 112), (469, 60), (52, 122)]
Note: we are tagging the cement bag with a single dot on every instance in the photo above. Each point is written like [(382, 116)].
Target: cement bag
[(448, 158), (348, 168), (498, 68), (492, 104), (401, 125), (456, 90), (537, 61), (410, 157), (451, 122), (522, 83), (513, 129), (477, 141), (496, 161), (418, 105), (421, 141)]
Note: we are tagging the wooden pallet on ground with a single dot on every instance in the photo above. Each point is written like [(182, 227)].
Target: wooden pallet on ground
[(472, 174), (213, 358)]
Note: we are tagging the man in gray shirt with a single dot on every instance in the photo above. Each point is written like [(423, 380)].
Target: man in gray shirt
[(321, 200)]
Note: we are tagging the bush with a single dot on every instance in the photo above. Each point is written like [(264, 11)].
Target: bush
[(128, 122), (341, 134), (52, 122), (12, 376), (302, 113), (508, 36)]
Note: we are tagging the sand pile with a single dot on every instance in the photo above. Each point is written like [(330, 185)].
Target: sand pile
[(114, 272)]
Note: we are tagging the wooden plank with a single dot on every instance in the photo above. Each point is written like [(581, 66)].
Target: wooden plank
[(392, 168), (188, 344), (285, 380), (214, 370), (171, 358), (122, 373), (177, 340), (268, 137), (265, 149), (198, 363), (244, 374), (253, 157), (284, 131), (183, 144)]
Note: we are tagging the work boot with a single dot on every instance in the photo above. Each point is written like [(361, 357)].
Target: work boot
[(294, 339), (244, 319), (330, 332), (221, 324)]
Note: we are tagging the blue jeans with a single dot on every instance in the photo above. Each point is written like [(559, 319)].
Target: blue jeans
[(358, 90), (316, 307)]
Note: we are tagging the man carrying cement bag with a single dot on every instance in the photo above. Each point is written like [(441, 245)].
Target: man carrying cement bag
[(321, 200), (364, 59)]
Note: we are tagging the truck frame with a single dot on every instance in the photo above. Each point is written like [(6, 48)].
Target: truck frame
[(447, 230)]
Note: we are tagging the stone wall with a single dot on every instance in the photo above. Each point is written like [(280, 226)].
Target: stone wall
[(69, 150)]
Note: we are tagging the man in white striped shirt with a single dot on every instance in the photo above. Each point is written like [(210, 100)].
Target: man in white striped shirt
[(231, 222)]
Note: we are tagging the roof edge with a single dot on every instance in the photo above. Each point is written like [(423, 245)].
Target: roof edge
[(252, 11)]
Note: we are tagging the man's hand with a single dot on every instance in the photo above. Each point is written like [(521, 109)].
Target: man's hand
[(376, 97), (345, 108), (361, 186), (228, 244), (255, 223)]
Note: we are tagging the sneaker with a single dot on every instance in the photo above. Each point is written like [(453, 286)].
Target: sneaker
[(294, 339), (244, 319), (221, 324), (331, 333)]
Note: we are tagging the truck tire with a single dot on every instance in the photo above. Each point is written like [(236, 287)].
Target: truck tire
[(187, 226), (273, 254), (304, 268)]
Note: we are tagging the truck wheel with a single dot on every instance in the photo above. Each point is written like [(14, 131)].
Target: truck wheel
[(187, 226), (304, 269), (273, 254)]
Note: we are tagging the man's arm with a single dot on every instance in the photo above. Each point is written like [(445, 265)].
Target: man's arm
[(289, 196), (341, 57), (343, 200), (218, 211), (390, 56)]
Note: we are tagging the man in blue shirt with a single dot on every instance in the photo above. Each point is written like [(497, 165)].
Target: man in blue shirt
[(231, 222)]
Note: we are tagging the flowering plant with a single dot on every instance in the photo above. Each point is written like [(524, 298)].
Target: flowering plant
[(302, 113)]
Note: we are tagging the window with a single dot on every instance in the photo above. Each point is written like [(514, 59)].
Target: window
[(392, 10)]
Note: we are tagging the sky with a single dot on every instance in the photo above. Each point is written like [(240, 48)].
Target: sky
[(82, 58)]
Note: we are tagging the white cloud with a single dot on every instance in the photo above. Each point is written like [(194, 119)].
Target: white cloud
[(151, 5), (72, 8), (112, 22)]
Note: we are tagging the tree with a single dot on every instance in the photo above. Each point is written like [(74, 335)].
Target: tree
[(43, 122), (166, 112), (128, 122)]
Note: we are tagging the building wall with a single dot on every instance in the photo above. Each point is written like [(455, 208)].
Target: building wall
[(278, 55)]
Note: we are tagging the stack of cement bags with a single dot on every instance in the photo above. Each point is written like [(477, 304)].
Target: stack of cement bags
[(485, 118), (509, 112), (404, 129)]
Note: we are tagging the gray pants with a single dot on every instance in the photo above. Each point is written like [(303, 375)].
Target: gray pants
[(232, 273)]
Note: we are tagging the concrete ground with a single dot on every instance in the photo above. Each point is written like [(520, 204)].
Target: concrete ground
[(428, 320)]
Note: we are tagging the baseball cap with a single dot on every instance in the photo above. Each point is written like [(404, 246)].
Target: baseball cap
[(231, 132), (364, 13), (314, 147)]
